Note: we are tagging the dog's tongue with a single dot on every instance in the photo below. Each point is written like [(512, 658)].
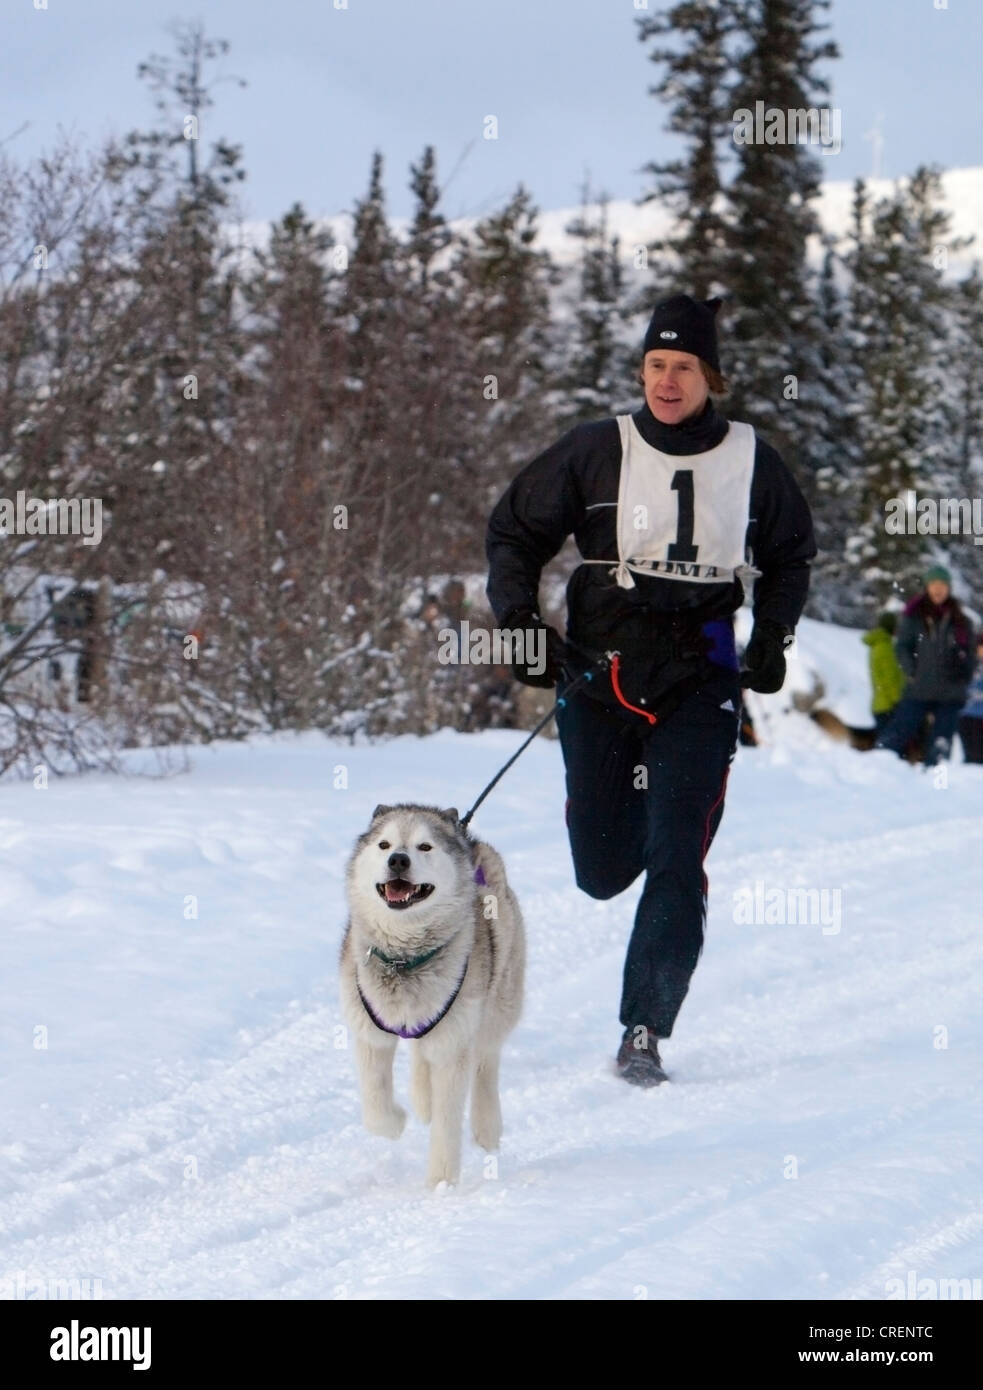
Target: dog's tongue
[(397, 890)]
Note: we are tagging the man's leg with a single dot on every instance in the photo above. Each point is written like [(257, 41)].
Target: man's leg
[(905, 724), (971, 733), (946, 718), (605, 814), (687, 760)]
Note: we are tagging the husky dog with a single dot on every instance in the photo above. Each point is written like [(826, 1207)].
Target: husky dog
[(434, 951)]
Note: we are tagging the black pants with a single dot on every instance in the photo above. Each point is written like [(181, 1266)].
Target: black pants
[(971, 734), (906, 721), (644, 799)]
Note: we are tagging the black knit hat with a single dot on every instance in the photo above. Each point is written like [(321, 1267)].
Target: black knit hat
[(683, 324)]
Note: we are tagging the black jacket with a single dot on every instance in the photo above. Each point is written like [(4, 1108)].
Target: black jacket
[(560, 493), (934, 646)]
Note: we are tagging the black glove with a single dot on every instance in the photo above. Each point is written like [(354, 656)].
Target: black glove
[(532, 626), (764, 658)]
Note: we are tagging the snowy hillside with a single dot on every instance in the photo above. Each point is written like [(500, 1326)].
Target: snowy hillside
[(638, 224), (181, 1122)]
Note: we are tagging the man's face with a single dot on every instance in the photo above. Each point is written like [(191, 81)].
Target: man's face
[(675, 387), (938, 591)]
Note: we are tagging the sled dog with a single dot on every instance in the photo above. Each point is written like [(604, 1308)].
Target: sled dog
[(434, 951)]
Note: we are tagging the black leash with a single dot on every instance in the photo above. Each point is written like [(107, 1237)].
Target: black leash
[(599, 665)]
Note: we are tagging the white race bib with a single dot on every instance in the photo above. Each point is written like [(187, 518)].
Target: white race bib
[(684, 516)]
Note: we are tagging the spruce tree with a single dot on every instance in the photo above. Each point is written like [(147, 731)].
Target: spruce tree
[(770, 318), (691, 46), (506, 286), (429, 233), (902, 332), (967, 364), (831, 482), (595, 367), (371, 284), (176, 389), (277, 532)]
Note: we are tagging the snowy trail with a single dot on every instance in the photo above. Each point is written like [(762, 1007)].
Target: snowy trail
[(208, 1046)]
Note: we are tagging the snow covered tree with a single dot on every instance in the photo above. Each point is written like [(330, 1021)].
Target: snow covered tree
[(266, 620), (506, 284), (901, 340), (595, 364), (691, 46), (967, 364), (429, 233), (371, 286), (770, 314), (831, 479), (175, 381)]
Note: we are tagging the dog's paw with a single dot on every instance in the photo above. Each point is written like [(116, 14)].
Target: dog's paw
[(387, 1123), (444, 1166), (487, 1137)]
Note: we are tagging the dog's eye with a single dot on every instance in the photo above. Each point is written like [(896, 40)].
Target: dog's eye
[(383, 844), (424, 846)]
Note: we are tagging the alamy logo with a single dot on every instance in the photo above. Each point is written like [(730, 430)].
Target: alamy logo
[(75, 1343), (771, 125), (502, 646), (759, 906), (22, 515), (943, 1290), (911, 515)]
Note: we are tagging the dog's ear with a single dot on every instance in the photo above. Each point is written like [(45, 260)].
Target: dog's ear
[(452, 814), (380, 810)]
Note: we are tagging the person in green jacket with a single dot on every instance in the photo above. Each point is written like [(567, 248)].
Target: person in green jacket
[(886, 677)]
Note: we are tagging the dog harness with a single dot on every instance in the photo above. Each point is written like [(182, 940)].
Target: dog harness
[(421, 1029), (397, 966), (701, 539)]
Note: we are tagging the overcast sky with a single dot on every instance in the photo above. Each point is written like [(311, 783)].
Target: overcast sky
[(566, 79)]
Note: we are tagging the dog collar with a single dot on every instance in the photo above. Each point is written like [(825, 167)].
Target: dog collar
[(397, 963), (421, 1029)]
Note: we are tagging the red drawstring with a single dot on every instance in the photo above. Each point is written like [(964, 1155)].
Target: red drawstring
[(616, 687)]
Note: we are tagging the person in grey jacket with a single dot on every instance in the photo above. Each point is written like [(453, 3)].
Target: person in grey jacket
[(935, 647)]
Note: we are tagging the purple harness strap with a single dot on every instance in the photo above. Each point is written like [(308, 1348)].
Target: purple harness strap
[(422, 1028)]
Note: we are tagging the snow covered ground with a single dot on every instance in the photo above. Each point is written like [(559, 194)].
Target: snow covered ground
[(180, 1118)]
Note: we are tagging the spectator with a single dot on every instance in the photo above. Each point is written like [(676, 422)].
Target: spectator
[(887, 679), (934, 646)]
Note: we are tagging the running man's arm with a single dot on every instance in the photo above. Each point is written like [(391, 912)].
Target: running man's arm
[(783, 541), (528, 526)]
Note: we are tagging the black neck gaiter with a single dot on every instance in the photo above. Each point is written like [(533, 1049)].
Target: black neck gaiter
[(693, 436)]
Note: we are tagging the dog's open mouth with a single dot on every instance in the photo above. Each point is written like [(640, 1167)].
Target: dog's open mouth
[(399, 892)]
